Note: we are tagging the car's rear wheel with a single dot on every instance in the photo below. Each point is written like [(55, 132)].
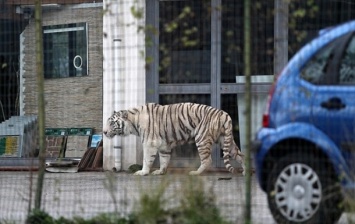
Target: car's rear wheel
[(301, 189)]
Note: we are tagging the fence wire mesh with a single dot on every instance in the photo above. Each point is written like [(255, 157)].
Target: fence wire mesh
[(104, 56)]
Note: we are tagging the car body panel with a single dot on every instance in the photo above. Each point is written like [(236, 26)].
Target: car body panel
[(270, 137), (339, 123), (297, 111)]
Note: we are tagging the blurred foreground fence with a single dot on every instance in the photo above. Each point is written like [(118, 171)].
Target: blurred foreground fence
[(89, 194), (101, 56)]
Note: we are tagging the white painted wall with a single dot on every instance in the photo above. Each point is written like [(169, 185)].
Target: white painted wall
[(123, 77), (258, 102)]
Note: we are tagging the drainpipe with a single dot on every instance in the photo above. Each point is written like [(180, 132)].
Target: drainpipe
[(118, 158)]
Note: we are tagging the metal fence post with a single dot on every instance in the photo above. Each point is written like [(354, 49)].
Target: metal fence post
[(247, 112), (41, 113)]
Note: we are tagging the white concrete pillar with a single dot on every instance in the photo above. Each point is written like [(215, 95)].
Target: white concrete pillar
[(258, 102), (123, 77)]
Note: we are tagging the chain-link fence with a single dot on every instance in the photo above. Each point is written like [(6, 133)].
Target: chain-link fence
[(97, 57)]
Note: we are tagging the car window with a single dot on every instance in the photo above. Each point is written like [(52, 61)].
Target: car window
[(347, 64), (316, 68)]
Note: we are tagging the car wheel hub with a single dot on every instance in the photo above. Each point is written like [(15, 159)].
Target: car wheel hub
[(298, 192)]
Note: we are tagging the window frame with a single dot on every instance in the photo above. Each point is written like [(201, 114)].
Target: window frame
[(331, 73), (79, 62), (341, 59)]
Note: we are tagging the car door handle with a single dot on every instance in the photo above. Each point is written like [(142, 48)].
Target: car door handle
[(333, 103)]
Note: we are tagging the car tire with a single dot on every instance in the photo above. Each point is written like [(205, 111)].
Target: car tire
[(301, 189)]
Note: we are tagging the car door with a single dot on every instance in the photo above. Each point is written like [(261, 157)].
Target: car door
[(333, 109)]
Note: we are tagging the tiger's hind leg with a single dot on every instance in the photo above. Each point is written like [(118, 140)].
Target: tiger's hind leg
[(234, 153), (240, 160), (237, 154), (164, 157), (239, 157), (204, 151)]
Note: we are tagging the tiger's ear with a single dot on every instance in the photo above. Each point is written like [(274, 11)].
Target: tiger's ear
[(124, 114)]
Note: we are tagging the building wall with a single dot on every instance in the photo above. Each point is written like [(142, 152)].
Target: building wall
[(73, 101)]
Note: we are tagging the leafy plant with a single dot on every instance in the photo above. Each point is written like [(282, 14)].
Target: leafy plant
[(38, 216), (151, 205), (197, 205)]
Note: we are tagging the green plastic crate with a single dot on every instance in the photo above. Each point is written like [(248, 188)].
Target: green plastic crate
[(80, 131), (56, 131), (2, 145)]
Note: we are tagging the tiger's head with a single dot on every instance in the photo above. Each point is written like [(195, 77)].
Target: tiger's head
[(116, 124)]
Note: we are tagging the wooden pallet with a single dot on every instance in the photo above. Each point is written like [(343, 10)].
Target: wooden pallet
[(92, 159)]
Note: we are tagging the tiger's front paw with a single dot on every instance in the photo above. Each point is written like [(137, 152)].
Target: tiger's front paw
[(141, 173), (158, 172), (194, 173)]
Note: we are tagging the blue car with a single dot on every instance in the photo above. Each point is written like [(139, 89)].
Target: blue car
[(305, 150)]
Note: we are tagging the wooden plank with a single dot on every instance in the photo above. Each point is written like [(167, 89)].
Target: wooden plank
[(83, 161), (91, 158), (98, 161), (76, 146), (87, 159)]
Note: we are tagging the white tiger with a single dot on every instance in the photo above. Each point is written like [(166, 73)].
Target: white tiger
[(161, 128)]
